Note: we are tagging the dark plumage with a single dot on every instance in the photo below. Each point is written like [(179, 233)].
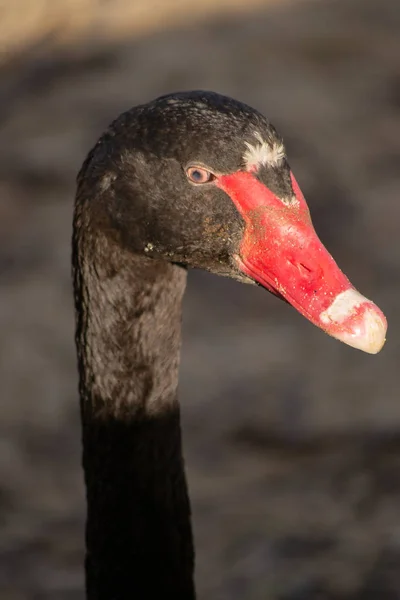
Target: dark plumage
[(135, 216), (139, 222)]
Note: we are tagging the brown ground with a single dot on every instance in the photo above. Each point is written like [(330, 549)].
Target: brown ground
[(292, 439)]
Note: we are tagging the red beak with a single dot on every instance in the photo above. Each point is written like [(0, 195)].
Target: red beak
[(281, 251)]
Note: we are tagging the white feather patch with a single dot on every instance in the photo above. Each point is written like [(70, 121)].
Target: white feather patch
[(263, 153)]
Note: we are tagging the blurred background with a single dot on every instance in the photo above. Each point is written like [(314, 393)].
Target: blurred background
[(292, 439)]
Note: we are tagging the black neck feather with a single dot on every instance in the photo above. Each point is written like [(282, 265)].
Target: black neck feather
[(128, 312)]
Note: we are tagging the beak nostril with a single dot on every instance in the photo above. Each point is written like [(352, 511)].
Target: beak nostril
[(302, 266)]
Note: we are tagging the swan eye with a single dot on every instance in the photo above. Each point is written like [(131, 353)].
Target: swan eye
[(199, 175)]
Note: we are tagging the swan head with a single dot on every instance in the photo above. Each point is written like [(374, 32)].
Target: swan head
[(202, 180)]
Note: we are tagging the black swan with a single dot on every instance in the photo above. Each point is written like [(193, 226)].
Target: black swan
[(192, 179)]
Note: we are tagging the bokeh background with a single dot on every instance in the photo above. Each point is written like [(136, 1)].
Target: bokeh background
[(292, 439)]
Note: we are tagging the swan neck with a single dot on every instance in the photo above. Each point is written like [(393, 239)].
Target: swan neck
[(128, 332)]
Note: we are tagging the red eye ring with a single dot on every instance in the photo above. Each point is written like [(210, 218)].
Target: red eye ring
[(199, 175)]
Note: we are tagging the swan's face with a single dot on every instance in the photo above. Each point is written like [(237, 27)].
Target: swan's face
[(200, 179)]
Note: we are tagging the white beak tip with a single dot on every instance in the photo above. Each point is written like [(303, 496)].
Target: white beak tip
[(369, 334), (356, 321)]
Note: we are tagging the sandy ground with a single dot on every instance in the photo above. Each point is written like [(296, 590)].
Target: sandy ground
[(292, 439), (64, 22)]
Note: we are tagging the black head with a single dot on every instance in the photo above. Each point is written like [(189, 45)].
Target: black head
[(199, 179), (138, 177)]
